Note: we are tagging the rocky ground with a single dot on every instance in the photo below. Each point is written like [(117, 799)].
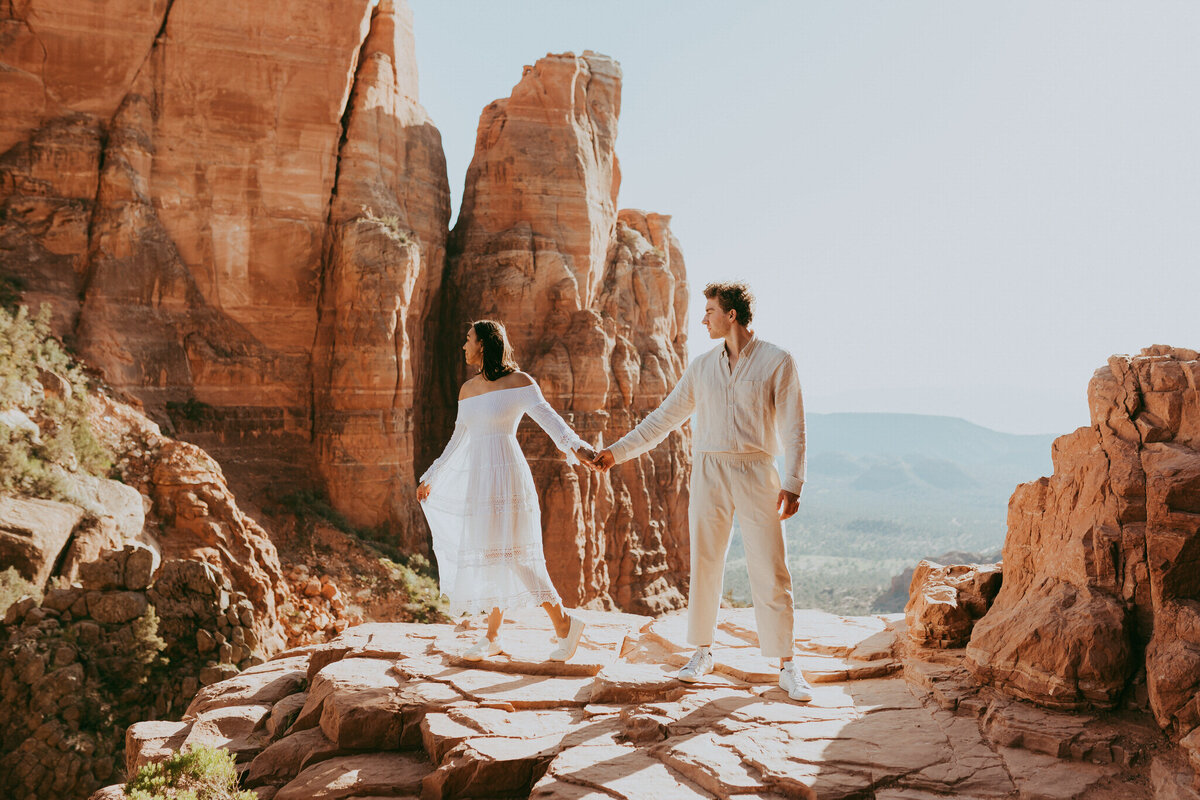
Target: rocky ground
[(391, 710)]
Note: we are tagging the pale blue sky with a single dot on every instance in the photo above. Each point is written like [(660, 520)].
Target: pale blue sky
[(945, 208)]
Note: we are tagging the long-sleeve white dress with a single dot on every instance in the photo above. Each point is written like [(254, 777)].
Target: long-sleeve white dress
[(483, 508)]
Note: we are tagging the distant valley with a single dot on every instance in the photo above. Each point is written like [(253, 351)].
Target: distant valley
[(886, 490)]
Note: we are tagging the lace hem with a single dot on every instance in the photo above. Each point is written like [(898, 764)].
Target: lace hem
[(527, 599), (492, 506), (504, 557)]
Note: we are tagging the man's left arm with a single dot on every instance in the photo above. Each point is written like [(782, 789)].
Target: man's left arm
[(789, 420)]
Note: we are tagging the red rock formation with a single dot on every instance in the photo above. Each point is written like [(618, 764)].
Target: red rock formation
[(945, 601), (68, 66), (386, 248), (595, 309), (254, 216), (195, 515), (1103, 557), (229, 138), (230, 193)]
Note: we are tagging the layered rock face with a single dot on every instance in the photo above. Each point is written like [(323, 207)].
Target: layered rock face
[(1102, 559), (251, 210), (386, 248), (594, 302)]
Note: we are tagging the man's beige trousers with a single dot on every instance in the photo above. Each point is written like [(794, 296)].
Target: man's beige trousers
[(747, 483)]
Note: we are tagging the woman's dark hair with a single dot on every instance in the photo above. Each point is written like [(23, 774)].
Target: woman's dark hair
[(733, 296), (498, 358)]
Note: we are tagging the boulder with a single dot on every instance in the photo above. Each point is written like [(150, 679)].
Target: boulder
[(116, 607), (266, 684), (363, 775), (152, 741), (945, 601), (117, 520), (33, 533)]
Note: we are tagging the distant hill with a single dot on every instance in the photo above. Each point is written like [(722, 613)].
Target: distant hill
[(886, 490), (942, 461), (949, 438)]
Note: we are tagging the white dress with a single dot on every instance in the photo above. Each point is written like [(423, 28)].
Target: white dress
[(483, 508)]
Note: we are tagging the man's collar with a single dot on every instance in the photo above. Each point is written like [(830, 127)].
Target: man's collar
[(745, 348)]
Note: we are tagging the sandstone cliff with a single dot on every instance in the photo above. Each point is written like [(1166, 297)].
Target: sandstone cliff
[(235, 214), (242, 222), (595, 303)]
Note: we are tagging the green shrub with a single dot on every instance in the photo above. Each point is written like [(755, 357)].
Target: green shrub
[(147, 644), (199, 773), (23, 471), (414, 573), (13, 587), (191, 410), (65, 437)]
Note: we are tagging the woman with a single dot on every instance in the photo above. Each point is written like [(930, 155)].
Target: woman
[(481, 502)]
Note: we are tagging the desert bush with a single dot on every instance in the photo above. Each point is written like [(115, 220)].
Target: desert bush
[(147, 645), (28, 352), (391, 224), (414, 574), (13, 587), (198, 773)]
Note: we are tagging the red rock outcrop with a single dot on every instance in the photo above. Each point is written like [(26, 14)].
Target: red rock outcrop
[(595, 303), (1102, 559), (32, 534), (253, 212), (394, 709), (195, 516)]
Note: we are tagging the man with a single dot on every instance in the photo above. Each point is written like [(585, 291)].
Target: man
[(743, 392)]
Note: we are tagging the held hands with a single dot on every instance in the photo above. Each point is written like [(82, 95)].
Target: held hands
[(603, 461), (787, 503), (423, 492), (585, 455)]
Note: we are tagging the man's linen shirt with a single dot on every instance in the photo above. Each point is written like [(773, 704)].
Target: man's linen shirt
[(748, 409)]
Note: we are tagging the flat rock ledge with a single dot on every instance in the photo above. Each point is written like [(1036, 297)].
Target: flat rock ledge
[(392, 710)]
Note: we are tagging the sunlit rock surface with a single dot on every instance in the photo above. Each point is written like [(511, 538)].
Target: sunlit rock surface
[(392, 709)]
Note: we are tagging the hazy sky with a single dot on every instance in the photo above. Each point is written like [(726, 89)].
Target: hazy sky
[(946, 208)]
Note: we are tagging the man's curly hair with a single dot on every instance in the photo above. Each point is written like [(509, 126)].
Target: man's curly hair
[(733, 296)]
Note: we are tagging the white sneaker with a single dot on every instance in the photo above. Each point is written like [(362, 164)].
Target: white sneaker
[(569, 643), (484, 648), (791, 680), (700, 665)]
